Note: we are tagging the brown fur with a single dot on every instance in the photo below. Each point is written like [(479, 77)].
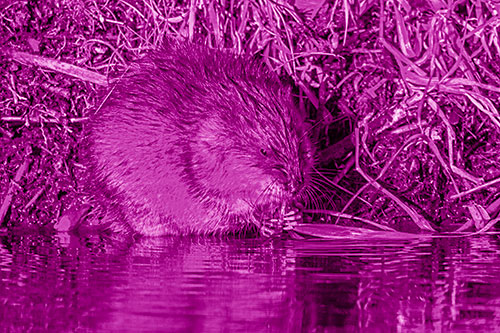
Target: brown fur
[(196, 140)]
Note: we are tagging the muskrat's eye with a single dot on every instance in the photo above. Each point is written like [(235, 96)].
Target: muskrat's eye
[(263, 152)]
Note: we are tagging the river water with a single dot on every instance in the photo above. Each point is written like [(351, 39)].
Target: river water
[(69, 284)]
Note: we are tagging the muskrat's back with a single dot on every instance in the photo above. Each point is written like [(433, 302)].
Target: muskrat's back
[(196, 140)]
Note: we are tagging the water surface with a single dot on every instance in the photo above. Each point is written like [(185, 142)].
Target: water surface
[(63, 283)]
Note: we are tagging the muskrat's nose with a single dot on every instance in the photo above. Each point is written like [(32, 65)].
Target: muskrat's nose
[(294, 186), (291, 187)]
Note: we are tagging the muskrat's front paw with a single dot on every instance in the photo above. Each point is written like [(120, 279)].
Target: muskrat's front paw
[(266, 231), (271, 227), (276, 225), (291, 219)]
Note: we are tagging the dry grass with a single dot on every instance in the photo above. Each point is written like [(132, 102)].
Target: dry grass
[(403, 95)]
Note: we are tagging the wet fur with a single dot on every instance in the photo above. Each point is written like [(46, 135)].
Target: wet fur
[(196, 140)]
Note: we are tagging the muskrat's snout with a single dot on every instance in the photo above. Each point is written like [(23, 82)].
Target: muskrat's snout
[(291, 187), (291, 184), (295, 184)]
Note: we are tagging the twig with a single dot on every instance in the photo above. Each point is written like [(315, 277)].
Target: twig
[(10, 193), (59, 66)]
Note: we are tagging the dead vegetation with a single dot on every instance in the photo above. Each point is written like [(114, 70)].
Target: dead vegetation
[(403, 97)]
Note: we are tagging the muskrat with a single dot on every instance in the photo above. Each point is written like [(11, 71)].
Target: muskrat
[(198, 140)]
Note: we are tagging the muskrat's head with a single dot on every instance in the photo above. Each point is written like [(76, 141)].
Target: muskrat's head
[(253, 151)]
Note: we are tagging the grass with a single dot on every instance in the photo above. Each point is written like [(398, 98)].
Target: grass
[(403, 97)]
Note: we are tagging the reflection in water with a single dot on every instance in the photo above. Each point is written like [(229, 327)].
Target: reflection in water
[(204, 285)]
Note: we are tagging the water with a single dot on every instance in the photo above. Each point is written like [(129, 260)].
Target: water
[(62, 283)]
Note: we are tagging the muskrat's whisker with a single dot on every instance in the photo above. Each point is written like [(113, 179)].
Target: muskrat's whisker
[(315, 197), (325, 178), (310, 197), (333, 184), (307, 195), (322, 189), (322, 186)]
